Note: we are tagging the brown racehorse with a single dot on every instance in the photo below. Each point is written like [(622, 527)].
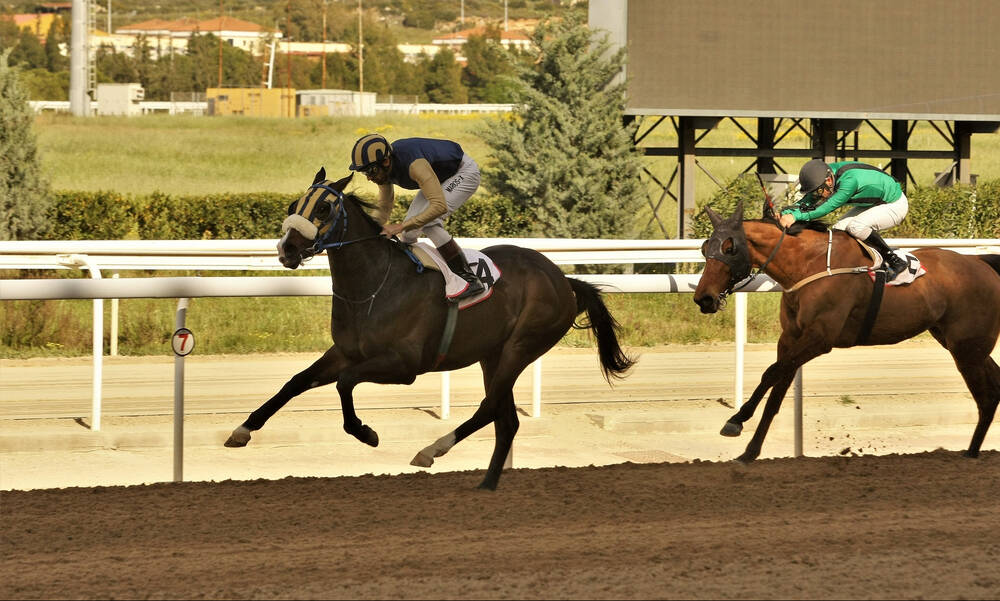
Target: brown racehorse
[(957, 300), (389, 321)]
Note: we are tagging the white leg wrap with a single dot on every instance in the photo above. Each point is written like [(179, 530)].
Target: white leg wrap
[(239, 438), (425, 458)]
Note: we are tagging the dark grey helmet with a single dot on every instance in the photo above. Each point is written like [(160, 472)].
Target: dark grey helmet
[(812, 175)]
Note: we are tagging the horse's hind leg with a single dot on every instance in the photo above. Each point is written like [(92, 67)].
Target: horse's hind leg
[(982, 377), (498, 407), (483, 415), (983, 380), (322, 372)]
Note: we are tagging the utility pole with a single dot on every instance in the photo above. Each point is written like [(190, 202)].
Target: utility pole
[(79, 102), (323, 79), (361, 55), (288, 56), (220, 43)]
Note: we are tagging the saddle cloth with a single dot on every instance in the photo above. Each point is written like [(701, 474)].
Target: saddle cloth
[(914, 269), (480, 264)]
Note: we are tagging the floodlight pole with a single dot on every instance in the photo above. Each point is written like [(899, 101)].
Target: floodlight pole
[(79, 102), (361, 55)]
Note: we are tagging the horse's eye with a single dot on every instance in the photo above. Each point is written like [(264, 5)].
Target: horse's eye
[(704, 248), (322, 211), (728, 247)]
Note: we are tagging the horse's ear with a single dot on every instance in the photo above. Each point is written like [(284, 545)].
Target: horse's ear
[(713, 217), (737, 215), (320, 175), (341, 184)]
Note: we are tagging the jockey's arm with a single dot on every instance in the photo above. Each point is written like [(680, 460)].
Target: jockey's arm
[(843, 194), (422, 173), (386, 199)]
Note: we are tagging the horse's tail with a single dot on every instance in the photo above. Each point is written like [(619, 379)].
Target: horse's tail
[(614, 361), (991, 260)]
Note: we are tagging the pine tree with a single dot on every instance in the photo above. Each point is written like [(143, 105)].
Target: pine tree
[(24, 195), (563, 156)]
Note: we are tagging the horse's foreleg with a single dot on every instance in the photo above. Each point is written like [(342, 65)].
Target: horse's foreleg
[(734, 427), (794, 351), (322, 372), (770, 410), (388, 368)]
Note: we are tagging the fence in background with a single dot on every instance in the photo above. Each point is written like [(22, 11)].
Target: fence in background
[(147, 107)]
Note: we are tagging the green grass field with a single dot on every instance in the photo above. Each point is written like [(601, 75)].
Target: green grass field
[(185, 155)]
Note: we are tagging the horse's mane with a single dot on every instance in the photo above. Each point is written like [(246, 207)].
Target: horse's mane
[(799, 226), (367, 205)]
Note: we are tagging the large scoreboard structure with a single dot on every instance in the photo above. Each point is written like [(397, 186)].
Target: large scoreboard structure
[(827, 69)]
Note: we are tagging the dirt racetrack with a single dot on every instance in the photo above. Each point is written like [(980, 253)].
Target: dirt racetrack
[(912, 526)]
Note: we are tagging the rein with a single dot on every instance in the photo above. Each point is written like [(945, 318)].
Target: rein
[(761, 268), (323, 243)]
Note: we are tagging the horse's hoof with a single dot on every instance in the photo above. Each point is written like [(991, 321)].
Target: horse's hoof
[(368, 436), (745, 459), (422, 460), (363, 433), (731, 429), (239, 438), (487, 485), (971, 454)]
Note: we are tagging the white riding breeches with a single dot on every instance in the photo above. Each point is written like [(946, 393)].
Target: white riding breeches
[(860, 222), (457, 189)]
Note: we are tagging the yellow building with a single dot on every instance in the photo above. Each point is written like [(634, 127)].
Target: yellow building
[(253, 102)]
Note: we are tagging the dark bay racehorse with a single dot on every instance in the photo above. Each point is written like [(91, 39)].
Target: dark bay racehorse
[(958, 301), (388, 321)]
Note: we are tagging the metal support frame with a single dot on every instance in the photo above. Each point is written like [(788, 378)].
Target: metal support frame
[(830, 139)]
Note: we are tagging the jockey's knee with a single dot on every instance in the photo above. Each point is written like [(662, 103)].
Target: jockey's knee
[(859, 230), (437, 234)]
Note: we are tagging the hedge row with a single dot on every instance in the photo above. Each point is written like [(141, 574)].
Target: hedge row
[(955, 212), (113, 216), (959, 211)]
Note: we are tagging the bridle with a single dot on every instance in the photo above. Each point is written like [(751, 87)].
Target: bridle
[(738, 263), (328, 229)]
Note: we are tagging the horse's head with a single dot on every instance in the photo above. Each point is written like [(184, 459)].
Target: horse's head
[(727, 260), (312, 219)]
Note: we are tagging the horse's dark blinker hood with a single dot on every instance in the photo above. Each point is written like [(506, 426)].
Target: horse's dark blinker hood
[(737, 258)]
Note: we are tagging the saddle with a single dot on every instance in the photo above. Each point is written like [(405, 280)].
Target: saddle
[(481, 265), (913, 270)]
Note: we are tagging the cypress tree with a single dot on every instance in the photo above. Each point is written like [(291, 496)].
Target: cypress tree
[(24, 194), (563, 156)]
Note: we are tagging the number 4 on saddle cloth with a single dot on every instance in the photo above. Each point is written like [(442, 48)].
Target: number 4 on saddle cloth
[(483, 266)]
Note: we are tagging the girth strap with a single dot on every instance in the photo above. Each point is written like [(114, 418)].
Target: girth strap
[(449, 332), (873, 307)]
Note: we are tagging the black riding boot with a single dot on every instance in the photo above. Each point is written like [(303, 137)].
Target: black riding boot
[(894, 265), (455, 258)]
